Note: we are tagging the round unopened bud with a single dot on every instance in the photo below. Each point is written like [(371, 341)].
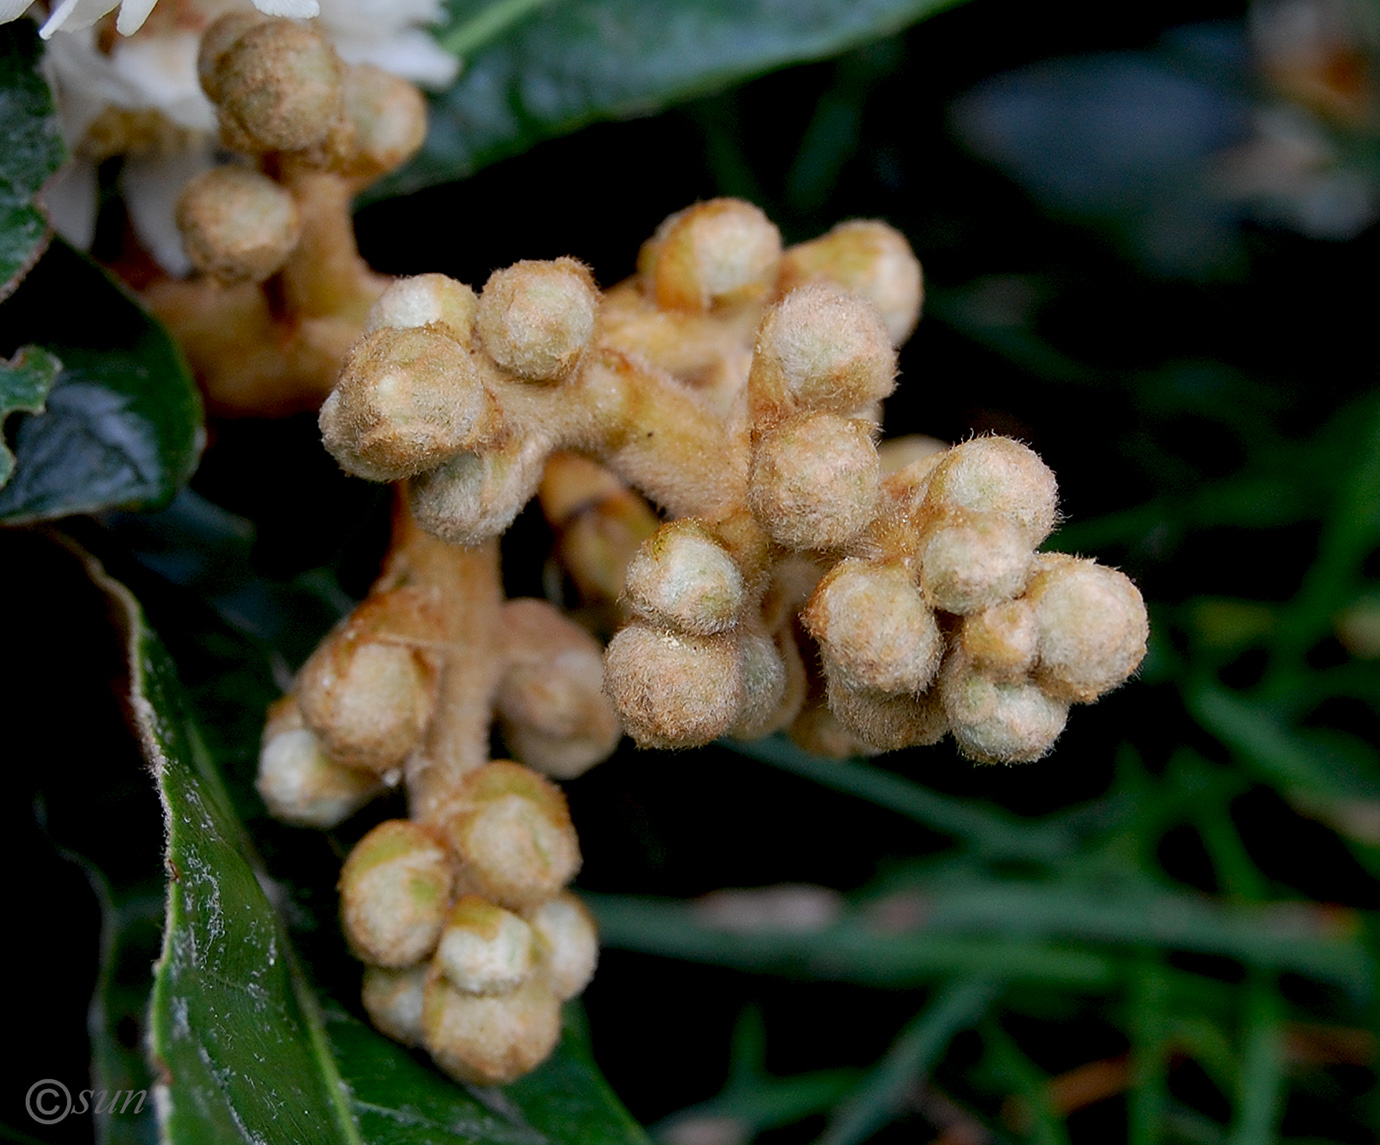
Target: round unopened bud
[(996, 475), (1092, 627), (407, 400), (394, 893), (281, 84), (996, 722), (485, 949), (719, 253), (866, 257), (765, 680), (1003, 641), (297, 780), (819, 348), (875, 628), (568, 942), (889, 723), (426, 300), (393, 1000), (218, 39), (237, 225), (512, 832), (551, 704), (387, 119), (970, 562), (673, 689), (474, 496), (490, 1039), (537, 318), (814, 481), (684, 579), (369, 688)]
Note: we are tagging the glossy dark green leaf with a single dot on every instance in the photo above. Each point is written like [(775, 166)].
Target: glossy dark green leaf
[(122, 423), (24, 385), (539, 70), (33, 150), (242, 1047)]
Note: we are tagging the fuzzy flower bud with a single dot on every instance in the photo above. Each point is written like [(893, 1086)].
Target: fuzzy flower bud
[(815, 480), (426, 300), (684, 579), (298, 781), (395, 889), (386, 117), (237, 225), (475, 496), (218, 39), (867, 258), (490, 1039), (393, 1000), (719, 253), (568, 942), (768, 703), (537, 318), (280, 83), (1092, 627), (673, 689), (512, 832), (997, 722), (889, 723), (407, 399), (999, 476), (485, 949), (969, 562), (875, 629), (1003, 641)]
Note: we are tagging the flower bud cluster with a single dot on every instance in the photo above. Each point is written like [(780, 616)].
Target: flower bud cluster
[(282, 291)]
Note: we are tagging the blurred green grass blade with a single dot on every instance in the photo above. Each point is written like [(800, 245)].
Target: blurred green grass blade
[(989, 832), (882, 1095), (846, 952), (770, 1102), (1029, 1081), (1260, 1096), (1149, 1031)]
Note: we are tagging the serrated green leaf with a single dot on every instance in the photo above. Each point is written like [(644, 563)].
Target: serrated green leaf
[(243, 1049), (24, 384), (122, 423), (546, 69), (33, 151)]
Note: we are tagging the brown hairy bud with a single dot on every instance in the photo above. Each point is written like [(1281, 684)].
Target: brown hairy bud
[(369, 688), (218, 39), (537, 318), (407, 399), (1000, 476), (551, 704), (673, 689), (996, 722), (512, 833), (819, 348), (719, 253), (475, 496), (1092, 627), (1003, 641), (875, 628), (395, 890), (683, 578), (298, 781), (766, 705), (868, 258), (393, 1000), (280, 83), (237, 225), (815, 480), (387, 121), (426, 300), (490, 1039), (889, 723), (485, 949), (969, 562), (568, 943), (817, 730)]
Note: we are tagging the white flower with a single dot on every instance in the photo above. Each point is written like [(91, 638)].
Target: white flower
[(74, 15)]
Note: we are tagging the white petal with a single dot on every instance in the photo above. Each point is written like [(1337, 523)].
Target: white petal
[(152, 184), (76, 14), (132, 15), (12, 9), (69, 198), (162, 69), (297, 9), (412, 54)]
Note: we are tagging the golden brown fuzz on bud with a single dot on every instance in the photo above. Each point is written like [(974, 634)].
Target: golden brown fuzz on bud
[(995, 722), (218, 39), (537, 318), (386, 117), (368, 690), (485, 949), (889, 723), (490, 1039), (237, 225), (395, 891), (280, 83), (971, 561), (298, 781), (407, 400), (393, 1000), (426, 300), (683, 578), (567, 943), (868, 258), (1000, 476), (512, 833), (1003, 640), (772, 692), (724, 252)]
